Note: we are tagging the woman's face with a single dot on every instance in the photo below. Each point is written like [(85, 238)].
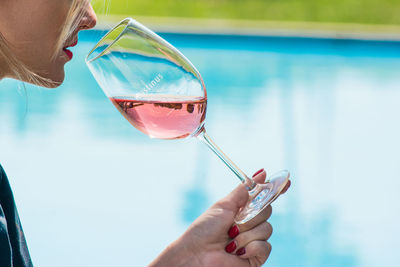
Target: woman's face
[(32, 29)]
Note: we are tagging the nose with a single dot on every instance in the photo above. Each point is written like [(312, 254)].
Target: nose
[(89, 20)]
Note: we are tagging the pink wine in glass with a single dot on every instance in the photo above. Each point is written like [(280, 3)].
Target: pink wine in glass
[(166, 117)]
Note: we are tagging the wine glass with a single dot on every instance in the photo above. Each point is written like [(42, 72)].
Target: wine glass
[(161, 93)]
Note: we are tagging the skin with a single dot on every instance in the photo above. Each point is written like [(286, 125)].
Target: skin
[(203, 244), (32, 29)]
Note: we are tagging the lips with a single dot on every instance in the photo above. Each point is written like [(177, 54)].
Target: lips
[(68, 52)]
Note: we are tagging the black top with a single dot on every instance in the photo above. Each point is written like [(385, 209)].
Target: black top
[(13, 248)]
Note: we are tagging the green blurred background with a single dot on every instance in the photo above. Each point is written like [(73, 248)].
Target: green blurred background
[(331, 11)]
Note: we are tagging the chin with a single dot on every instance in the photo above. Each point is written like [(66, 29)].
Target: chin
[(49, 75), (55, 83), (53, 80)]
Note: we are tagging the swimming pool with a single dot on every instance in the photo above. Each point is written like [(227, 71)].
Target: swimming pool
[(326, 109)]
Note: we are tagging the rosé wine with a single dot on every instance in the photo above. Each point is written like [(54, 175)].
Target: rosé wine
[(166, 117)]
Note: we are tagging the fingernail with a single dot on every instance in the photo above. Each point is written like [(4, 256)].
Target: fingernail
[(241, 251), (234, 231), (231, 247), (260, 171)]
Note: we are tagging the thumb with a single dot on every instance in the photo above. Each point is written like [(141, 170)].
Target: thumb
[(240, 195), (236, 199)]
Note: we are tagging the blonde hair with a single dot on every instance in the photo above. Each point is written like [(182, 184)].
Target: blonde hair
[(19, 70)]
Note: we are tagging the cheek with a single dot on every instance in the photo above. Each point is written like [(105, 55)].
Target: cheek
[(39, 53), (34, 38)]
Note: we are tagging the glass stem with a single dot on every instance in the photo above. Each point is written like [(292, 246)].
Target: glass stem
[(249, 183)]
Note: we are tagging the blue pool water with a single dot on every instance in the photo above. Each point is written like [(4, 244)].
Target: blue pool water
[(93, 191)]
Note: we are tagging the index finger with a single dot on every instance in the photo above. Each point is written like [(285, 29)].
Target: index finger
[(260, 176)]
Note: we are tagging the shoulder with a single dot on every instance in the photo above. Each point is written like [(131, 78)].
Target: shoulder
[(2, 174), (4, 184)]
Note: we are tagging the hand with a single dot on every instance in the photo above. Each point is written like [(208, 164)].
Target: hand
[(208, 243)]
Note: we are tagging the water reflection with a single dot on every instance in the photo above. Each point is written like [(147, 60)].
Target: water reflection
[(195, 198), (310, 243)]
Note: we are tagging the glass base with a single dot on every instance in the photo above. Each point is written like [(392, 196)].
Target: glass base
[(261, 196)]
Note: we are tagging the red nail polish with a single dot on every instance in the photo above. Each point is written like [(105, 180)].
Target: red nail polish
[(260, 171), (234, 231), (230, 247), (241, 251)]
